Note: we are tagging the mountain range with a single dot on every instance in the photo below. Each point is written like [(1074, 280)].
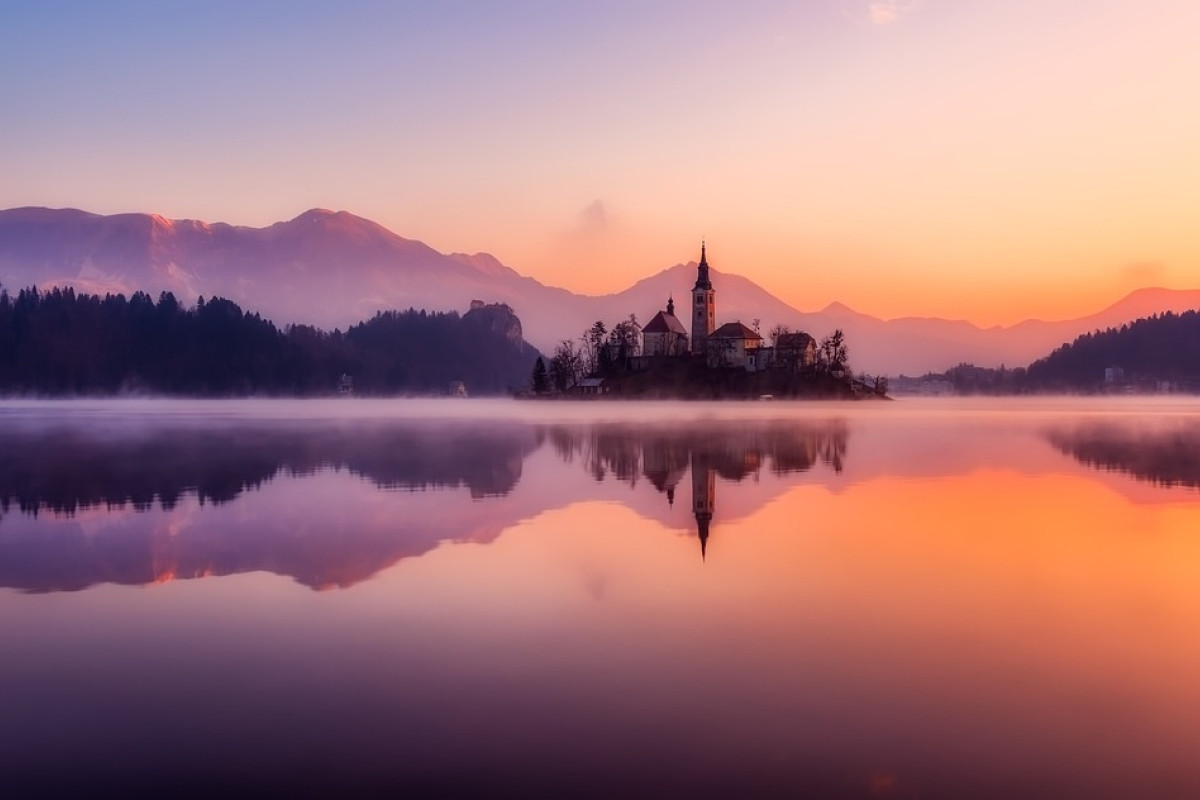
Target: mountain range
[(332, 269)]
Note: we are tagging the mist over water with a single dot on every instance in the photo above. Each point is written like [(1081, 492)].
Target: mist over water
[(934, 598)]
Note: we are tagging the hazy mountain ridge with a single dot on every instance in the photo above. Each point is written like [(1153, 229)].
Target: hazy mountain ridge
[(332, 269)]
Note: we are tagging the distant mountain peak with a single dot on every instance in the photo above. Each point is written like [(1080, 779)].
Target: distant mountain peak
[(328, 217), (317, 213), (486, 263)]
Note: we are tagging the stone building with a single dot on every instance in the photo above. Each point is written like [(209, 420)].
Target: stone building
[(664, 335), (733, 345), (796, 350)]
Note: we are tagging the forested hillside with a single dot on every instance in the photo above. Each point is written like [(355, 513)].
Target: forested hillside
[(1164, 347), (63, 343)]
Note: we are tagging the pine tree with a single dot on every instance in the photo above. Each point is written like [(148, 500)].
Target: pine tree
[(541, 382)]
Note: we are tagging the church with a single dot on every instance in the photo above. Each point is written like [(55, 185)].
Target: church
[(731, 345), (664, 335)]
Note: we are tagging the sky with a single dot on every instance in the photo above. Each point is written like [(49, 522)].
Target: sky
[(990, 161)]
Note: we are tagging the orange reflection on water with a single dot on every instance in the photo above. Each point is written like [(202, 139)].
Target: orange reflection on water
[(991, 622)]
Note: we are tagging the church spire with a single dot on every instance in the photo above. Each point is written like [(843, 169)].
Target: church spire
[(704, 305), (671, 305), (702, 280)]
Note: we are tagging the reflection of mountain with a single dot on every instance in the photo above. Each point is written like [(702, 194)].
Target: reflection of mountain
[(318, 541), (91, 481), (143, 503), (1168, 455)]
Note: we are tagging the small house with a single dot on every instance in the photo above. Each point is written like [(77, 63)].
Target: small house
[(796, 351), (593, 387), (733, 345)]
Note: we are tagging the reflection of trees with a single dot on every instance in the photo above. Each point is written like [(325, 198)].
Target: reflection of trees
[(1165, 455), (66, 470), (735, 451)]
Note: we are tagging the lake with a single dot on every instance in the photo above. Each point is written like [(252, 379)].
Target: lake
[(924, 598)]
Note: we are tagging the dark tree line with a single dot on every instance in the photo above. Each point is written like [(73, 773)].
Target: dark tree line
[(1139, 354), (1164, 347), (62, 343)]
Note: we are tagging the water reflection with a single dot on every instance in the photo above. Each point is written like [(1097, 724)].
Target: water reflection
[(732, 451), (1164, 453), (931, 605), (145, 505), (140, 504), (69, 468)]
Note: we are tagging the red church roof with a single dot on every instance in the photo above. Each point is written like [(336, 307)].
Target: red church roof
[(734, 330), (665, 323)]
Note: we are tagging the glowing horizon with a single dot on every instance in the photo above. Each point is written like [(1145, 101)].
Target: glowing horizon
[(970, 160)]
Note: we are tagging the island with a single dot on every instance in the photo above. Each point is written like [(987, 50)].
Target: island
[(664, 359)]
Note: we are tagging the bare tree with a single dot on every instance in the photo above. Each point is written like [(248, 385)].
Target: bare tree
[(592, 340), (540, 379), (566, 366), (832, 354), (776, 332), (626, 336)]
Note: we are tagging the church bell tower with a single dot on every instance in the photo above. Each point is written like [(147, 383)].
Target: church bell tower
[(704, 306)]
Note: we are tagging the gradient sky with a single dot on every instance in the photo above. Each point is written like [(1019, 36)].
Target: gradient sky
[(984, 160)]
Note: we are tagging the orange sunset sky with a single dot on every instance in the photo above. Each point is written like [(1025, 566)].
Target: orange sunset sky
[(992, 161)]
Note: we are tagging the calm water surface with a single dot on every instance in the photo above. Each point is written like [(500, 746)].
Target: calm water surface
[(912, 599)]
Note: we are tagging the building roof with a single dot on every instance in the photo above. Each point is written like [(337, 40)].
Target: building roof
[(734, 330), (665, 323), (795, 339)]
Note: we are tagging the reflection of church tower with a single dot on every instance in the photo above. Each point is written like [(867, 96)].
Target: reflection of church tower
[(704, 306), (704, 484)]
